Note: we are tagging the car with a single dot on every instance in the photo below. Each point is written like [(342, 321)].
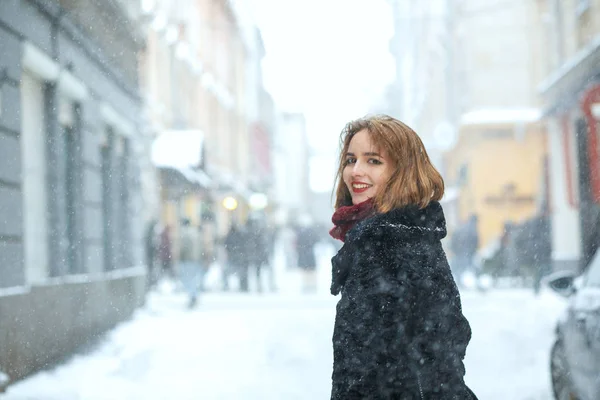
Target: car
[(575, 354)]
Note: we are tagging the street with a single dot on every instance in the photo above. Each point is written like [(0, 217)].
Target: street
[(278, 346)]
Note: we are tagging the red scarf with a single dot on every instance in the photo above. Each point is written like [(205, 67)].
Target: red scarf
[(344, 218)]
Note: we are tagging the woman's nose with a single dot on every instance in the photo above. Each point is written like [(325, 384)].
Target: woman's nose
[(358, 169)]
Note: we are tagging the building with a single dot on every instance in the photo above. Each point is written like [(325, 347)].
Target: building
[(71, 245), (203, 85), (291, 160), (175, 107), (571, 94), (422, 94), (497, 165), (499, 160), (453, 61)]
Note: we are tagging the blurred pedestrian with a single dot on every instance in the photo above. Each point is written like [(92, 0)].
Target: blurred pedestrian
[(151, 249), (259, 256), (236, 247), (207, 251), (306, 238), (541, 243), (399, 330), (471, 241), (165, 252), (190, 268), (464, 245), (459, 258)]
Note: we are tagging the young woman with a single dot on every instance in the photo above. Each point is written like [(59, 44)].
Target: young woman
[(399, 330)]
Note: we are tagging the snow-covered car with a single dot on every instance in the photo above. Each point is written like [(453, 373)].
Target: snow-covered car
[(575, 356)]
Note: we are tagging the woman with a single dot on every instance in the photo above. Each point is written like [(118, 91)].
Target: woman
[(399, 330)]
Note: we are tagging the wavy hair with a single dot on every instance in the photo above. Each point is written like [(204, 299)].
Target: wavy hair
[(414, 180)]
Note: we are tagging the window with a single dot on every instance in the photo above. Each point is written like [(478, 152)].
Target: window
[(70, 146), (593, 275), (559, 34), (107, 151), (34, 169), (122, 202)]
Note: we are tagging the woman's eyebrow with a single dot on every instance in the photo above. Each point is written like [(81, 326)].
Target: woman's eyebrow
[(366, 154)]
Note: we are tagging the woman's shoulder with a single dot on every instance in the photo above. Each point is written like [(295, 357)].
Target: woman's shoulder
[(410, 223), (403, 241)]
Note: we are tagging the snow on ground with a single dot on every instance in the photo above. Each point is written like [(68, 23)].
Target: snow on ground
[(278, 346), (508, 357)]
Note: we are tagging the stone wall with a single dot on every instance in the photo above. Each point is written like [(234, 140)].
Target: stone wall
[(44, 324)]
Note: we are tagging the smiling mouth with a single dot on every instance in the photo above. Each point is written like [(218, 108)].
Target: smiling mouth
[(360, 187)]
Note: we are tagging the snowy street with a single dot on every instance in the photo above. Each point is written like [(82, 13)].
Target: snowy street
[(178, 176), (278, 346)]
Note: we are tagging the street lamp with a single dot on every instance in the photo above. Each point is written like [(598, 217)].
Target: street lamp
[(258, 201), (230, 203)]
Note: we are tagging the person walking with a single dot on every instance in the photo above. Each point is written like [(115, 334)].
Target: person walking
[(190, 268), (464, 244), (306, 239), (150, 252), (236, 247), (259, 256), (165, 252), (541, 243), (399, 330)]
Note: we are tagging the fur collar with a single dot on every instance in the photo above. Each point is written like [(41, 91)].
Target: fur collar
[(422, 227), (407, 222)]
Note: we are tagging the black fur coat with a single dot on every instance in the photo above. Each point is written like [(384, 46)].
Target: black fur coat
[(399, 330)]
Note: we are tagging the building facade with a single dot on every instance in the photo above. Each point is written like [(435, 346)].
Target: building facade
[(571, 94), (497, 64), (70, 237), (453, 59), (202, 82), (291, 158)]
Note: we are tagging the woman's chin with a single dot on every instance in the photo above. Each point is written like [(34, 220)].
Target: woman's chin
[(357, 199)]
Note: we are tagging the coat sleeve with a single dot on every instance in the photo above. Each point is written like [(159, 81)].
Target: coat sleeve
[(440, 331)]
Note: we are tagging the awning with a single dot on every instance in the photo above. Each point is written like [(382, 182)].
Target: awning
[(179, 182), (178, 149), (178, 154)]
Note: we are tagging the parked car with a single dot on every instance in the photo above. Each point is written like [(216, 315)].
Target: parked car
[(575, 356)]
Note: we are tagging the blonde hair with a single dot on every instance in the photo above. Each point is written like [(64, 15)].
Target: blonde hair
[(414, 180)]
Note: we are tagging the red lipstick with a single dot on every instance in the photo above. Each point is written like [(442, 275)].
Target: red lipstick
[(360, 190)]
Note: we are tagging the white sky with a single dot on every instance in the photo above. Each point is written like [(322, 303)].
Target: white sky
[(328, 59)]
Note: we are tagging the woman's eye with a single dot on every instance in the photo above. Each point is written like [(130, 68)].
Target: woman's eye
[(374, 161), (350, 161)]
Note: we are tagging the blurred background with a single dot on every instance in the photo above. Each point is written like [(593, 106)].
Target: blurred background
[(127, 125)]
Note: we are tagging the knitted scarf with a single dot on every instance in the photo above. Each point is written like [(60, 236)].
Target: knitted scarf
[(345, 217)]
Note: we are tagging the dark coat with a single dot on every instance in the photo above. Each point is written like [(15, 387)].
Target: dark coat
[(236, 246), (399, 330), (306, 238), (258, 244)]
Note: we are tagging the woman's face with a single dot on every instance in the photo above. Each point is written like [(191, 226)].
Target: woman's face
[(367, 169)]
